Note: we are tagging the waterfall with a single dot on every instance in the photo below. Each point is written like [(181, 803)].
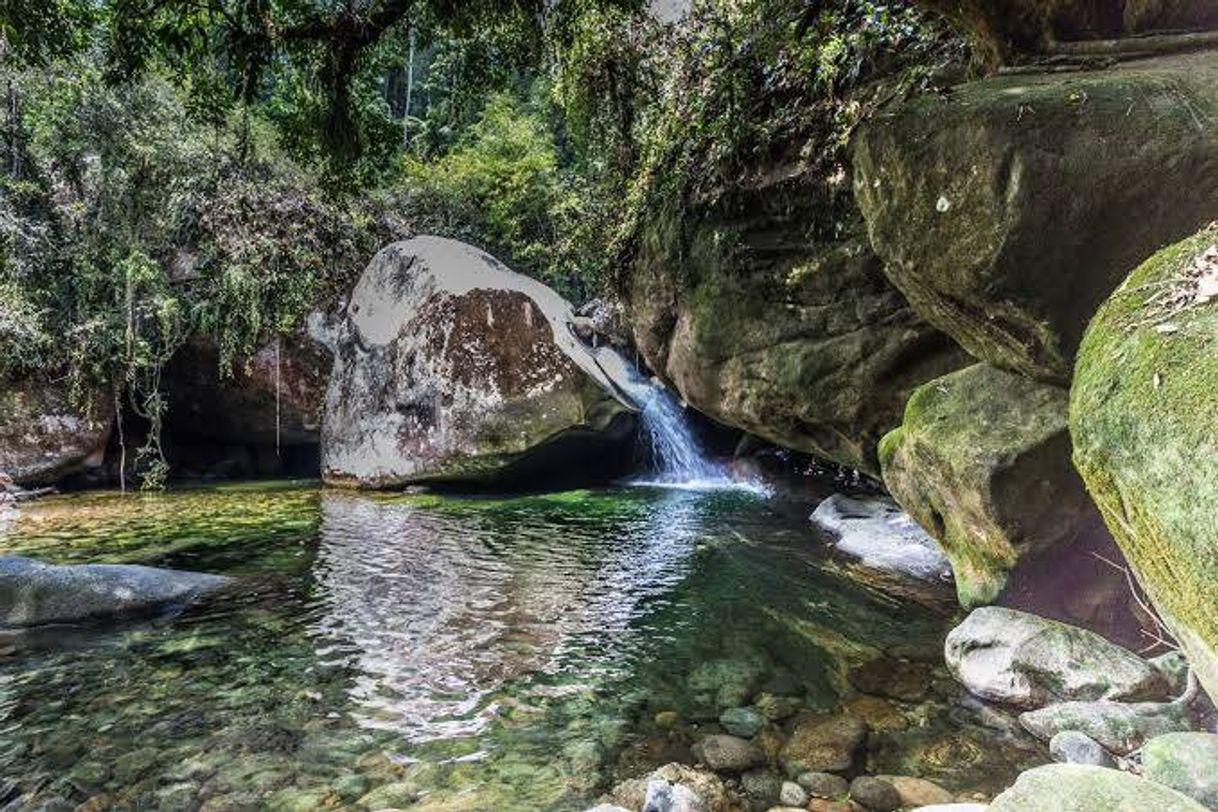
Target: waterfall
[(677, 458)]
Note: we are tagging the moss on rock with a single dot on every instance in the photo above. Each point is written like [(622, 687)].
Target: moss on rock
[(1082, 788), (1142, 416), (982, 461)]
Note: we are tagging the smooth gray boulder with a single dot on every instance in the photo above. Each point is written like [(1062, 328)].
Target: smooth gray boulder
[(1075, 747), (1119, 727), (1079, 788), (884, 537), (36, 594), (663, 796), (451, 368), (1020, 659), (1187, 762)]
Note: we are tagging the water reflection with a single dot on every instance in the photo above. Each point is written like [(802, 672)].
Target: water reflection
[(436, 610)]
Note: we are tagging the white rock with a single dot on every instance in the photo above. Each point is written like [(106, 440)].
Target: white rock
[(876, 531)]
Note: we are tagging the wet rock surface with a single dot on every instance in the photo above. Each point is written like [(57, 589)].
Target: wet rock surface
[(1119, 727), (1186, 762)]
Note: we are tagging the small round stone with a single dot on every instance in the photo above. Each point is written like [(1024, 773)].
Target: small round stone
[(792, 794), (824, 785), (743, 722), (875, 794)]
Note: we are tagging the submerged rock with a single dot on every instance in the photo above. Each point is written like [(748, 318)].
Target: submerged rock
[(1075, 787), (728, 753), (45, 434), (823, 744), (875, 794), (982, 461), (1142, 405), (1003, 223), (1019, 659), (744, 722), (453, 368), (876, 531), (918, 791), (35, 594), (1187, 762), (1119, 727)]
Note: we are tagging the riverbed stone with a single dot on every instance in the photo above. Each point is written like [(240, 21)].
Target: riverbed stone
[(875, 530), (743, 722), (1077, 787), (824, 785), (1186, 762), (725, 683), (793, 794), (763, 786), (776, 708), (728, 753), (33, 593), (1002, 222), (904, 680), (391, 796), (665, 796), (1076, 747), (1144, 390), (875, 794), (707, 786), (46, 433), (1119, 727), (982, 461), (1003, 655), (918, 791), (823, 744), (451, 368)]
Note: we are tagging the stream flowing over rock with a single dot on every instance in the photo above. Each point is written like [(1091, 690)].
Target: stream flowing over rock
[(45, 434), (767, 325), (453, 368), (982, 461), (36, 594), (1079, 788), (1008, 209), (1142, 415), (1027, 661)]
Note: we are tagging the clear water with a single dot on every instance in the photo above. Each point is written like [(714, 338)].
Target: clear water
[(439, 653)]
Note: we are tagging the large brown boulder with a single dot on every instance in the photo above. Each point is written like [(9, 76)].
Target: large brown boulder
[(769, 323), (46, 433), (1008, 209), (451, 368)]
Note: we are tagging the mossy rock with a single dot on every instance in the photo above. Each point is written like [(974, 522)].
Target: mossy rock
[(1187, 762), (1083, 788), (765, 322), (982, 462), (1009, 209), (1142, 413)]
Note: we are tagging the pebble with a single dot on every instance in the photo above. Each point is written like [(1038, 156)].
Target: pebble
[(824, 785), (728, 753), (918, 791), (793, 794), (743, 722), (762, 785), (776, 708), (876, 794)]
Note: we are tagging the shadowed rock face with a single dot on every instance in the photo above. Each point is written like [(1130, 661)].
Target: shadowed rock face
[(1009, 209), (765, 322), (36, 594), (274, 396), (453, 368), (45, 435), (1002, 29)]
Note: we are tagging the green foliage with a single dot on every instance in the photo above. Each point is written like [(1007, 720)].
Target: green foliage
[(502, 186)]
